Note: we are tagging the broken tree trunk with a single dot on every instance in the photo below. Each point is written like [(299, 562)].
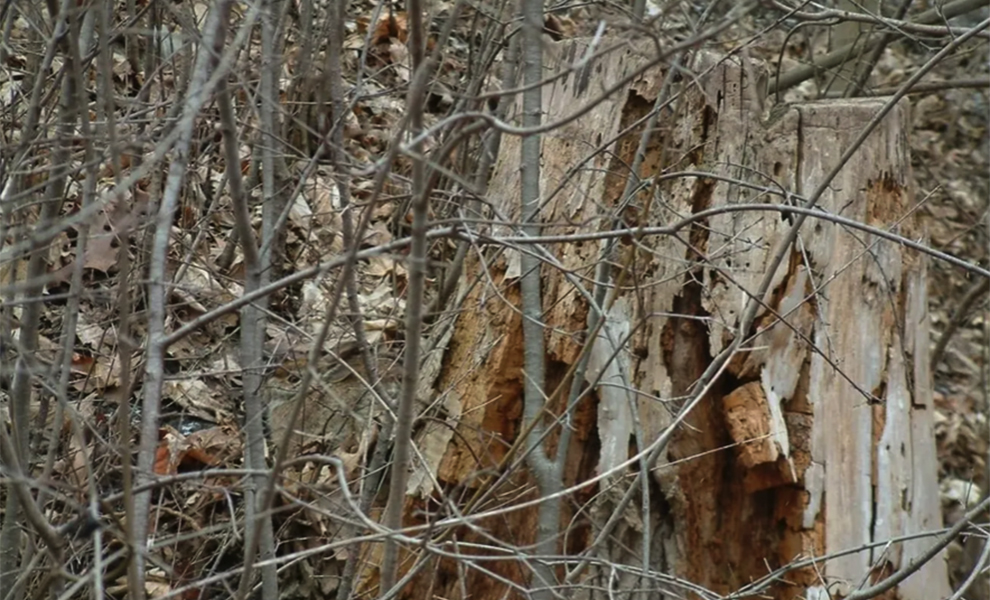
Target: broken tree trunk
[(815, 439)]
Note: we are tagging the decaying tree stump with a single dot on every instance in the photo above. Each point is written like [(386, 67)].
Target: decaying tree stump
[(816, 439)]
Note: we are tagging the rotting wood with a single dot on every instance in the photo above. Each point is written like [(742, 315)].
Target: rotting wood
[(787, 457)]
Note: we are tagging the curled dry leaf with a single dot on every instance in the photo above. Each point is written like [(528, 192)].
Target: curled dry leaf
[(223, 444), (94, 372), (175, 450), (383, 265), (398, 54), (377, 235), (392, 26)]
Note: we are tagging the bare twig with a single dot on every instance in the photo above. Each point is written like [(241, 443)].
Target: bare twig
[(392, 519), (926, 88), (935, 15), (458, 233), (978, 570), (973, 295), (199, 91), (919, 561), (15, 446), (544, 470)]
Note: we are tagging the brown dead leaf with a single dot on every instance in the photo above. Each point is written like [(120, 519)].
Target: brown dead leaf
[(391, 26), (156, 589), (300, 215), (101, 254), (197, 398), (165, 463), (381, 266), (221, 444), (175, 450), (398, 54), (377, 235), (95, 371)]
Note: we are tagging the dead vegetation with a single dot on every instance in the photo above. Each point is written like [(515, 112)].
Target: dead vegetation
[(98, 135)]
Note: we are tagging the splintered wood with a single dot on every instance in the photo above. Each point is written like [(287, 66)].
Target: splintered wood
[(816, 438)]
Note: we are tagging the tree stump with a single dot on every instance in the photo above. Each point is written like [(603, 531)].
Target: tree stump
[(816, 439)]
